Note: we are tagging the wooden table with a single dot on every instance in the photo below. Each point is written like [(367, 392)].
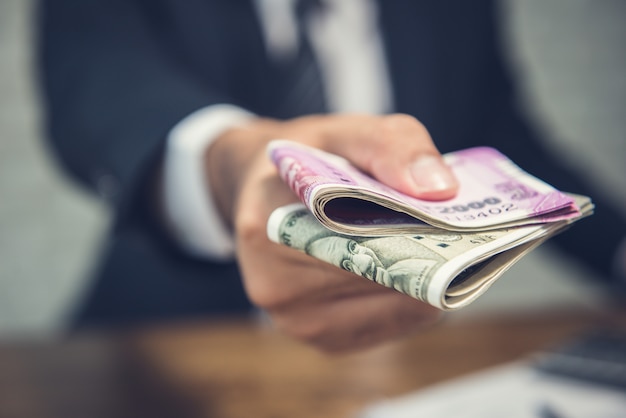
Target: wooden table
[(241, 368)]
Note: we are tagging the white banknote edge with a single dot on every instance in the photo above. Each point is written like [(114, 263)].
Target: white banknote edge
[(441, 280), (276, 217)]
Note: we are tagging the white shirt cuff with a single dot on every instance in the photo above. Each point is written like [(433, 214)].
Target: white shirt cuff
[(191, 212)]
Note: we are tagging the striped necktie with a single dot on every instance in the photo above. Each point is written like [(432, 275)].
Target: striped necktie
[(303, 92)]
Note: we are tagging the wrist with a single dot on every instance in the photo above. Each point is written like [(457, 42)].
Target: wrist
[(191, 214), (229, 158)]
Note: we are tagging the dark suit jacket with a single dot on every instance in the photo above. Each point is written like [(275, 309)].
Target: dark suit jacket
[(118, 74)]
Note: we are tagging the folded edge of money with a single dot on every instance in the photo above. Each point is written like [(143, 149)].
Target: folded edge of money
[(448, 270), (494, 193)]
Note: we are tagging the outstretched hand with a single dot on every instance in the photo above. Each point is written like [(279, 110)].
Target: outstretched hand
[(307, 299)]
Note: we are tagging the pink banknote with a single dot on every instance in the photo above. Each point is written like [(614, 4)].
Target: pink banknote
[(494, 192)]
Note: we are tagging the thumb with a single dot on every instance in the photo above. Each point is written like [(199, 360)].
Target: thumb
[(398, 151)]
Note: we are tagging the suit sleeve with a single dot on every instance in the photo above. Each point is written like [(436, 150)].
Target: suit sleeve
[(112, 91)]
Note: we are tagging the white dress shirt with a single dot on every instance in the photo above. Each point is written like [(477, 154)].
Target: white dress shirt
[(349, 49)]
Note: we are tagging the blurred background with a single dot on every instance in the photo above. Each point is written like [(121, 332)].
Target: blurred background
[(570, 56)]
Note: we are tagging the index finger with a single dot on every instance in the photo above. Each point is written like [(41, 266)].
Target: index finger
[(395, 149)]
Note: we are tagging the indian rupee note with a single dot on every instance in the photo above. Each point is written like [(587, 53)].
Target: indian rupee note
[(494, 193), (445, 269)]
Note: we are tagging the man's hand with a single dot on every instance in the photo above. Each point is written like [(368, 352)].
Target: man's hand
[(306, 298)]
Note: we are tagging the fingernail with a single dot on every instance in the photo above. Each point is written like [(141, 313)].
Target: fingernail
[(429, 173)]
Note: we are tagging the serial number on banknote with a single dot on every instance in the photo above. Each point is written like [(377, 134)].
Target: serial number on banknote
[(489, 204)]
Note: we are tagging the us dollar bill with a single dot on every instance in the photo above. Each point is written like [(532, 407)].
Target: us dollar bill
[(448, 270)]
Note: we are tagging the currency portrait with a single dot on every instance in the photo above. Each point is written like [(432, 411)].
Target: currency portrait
[(398, 262)]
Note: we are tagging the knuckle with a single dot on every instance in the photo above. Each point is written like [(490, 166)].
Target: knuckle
[(250, 229), (402, 123), (274, 289), (402, 137), (259, 294), (309, 331), (263, 294), (397, 130)]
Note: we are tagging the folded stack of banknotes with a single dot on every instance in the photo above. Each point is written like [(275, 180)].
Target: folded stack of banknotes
[(445, 253)]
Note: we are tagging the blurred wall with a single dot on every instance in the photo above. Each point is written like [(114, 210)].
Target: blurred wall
[(570, 54)]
